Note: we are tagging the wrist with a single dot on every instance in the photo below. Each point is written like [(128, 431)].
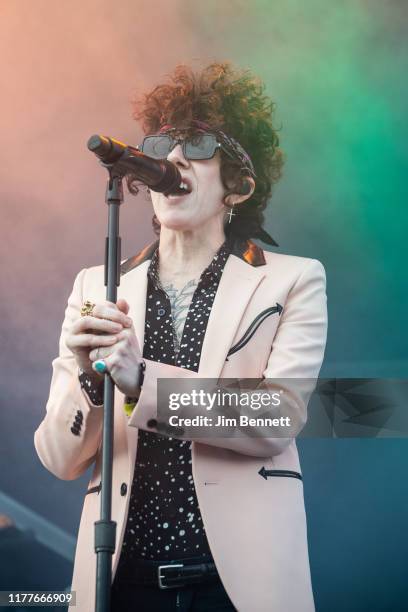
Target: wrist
[(131, 400)]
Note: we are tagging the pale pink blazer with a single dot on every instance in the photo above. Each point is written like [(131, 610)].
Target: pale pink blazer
[(256, 528)]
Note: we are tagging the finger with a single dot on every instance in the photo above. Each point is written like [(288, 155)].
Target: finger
[(100, 367), (108, 361), (125, 334), (90, 323), (112, 313), (123, 305), (91, 340), (101, 352)]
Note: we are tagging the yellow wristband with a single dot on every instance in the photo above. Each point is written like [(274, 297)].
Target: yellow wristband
[(129, 405)]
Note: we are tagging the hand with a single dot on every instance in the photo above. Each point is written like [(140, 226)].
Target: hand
[(96, 331), (122, 358)]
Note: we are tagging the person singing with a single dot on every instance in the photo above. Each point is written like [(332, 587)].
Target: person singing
[(202, 301)]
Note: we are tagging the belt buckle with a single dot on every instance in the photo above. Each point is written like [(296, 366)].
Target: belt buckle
[(161, 577)]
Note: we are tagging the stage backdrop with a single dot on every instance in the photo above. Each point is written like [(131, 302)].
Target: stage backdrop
[(337, 72)]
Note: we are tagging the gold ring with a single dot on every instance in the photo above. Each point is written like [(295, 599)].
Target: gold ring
[(87, 308)]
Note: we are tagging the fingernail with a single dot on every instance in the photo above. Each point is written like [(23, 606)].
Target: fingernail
[(129, 321)]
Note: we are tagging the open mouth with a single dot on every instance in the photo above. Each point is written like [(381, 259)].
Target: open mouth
[(183, 189)]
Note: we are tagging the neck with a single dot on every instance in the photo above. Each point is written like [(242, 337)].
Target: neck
[(183, 255)]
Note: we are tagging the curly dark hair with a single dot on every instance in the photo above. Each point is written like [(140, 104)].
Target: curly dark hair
[(233, 101)]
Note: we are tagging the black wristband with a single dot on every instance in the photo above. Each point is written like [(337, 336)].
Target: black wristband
[(142, 368)]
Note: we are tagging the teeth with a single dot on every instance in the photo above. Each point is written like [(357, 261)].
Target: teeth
[(183, 185)]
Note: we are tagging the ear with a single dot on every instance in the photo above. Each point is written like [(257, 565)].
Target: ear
[(245, 189)]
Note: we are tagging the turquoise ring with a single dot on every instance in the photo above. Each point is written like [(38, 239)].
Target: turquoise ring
[(100, 366)]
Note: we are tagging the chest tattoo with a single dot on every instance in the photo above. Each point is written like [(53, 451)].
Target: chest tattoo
[(180, 300)]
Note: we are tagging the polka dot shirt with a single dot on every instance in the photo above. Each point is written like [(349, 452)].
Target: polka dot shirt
[(164, 520)]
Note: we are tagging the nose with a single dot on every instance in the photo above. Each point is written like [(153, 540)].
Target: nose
[(176, 156)]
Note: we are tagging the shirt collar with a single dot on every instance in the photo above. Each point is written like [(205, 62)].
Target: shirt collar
[(212, 272)]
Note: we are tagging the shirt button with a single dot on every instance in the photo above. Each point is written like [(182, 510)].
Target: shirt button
[(161, 312), (123, 489)]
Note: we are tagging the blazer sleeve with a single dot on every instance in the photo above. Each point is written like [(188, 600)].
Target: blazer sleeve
[(68, 438), (297, 352)]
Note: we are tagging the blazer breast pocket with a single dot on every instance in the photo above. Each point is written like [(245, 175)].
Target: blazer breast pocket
[(254, 326)]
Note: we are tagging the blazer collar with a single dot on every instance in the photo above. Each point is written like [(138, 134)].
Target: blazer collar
[(244, 249)]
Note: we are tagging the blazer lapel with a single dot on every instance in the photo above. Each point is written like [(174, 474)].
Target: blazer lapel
[(133, 288), (237, 285)]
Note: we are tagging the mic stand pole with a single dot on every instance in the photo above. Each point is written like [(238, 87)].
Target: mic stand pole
[(105, 528)]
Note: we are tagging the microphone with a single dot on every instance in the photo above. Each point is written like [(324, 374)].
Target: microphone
[(158, 175)]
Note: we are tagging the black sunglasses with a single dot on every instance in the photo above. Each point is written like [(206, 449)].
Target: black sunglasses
[(195, 147)]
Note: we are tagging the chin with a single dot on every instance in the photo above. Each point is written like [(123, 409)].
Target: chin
[(177, 222)]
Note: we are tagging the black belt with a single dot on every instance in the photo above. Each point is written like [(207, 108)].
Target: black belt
[(167, 574)]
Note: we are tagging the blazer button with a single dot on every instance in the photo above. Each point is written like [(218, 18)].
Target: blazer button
[(123, 489), (75, 431), (152, 423), (161, 312)]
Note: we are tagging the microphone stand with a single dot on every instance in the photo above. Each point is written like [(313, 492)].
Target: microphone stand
[(118, 159), (105, 528)]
